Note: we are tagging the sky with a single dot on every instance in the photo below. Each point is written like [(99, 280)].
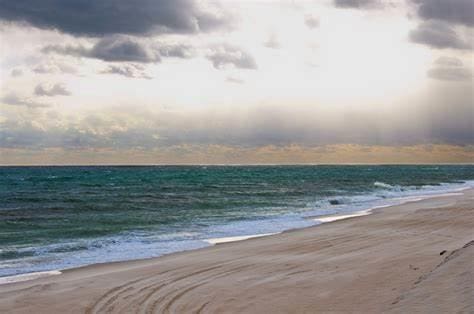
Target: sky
[(236, 82)]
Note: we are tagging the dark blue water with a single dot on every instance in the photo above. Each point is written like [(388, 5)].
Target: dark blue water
[(60, 217)]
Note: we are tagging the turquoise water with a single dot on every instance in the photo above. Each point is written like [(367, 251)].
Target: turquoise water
[(62, 217)]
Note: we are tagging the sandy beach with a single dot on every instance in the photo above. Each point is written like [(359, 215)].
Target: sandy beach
[(413, 258)]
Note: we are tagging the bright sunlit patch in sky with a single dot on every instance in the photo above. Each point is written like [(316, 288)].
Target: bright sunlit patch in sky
[(244, 75)]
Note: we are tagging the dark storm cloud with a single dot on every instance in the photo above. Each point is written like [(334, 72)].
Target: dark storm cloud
[(446, 118), (452, 11), (27, 134), (438, 35), (124, 49), (175, 51), (439, 17), (77, 51), (228, 55), (449, 69), (127, 70), (14, 100), (450, 113), (105, 17), (448, 61), (55, 90), (358, 4), (14, 135)]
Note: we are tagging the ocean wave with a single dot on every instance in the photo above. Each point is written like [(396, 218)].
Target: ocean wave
[(14, 254), (387, 186), (386, 194), (252, 212), (383, 185)]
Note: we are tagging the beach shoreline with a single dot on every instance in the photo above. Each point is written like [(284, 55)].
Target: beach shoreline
[(81, 217), (319, 219), (18, 297)]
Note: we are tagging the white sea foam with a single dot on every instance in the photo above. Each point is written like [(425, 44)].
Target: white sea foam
[(237, 238), (396, 201), (341, 217), (28, 276), (383, 185)]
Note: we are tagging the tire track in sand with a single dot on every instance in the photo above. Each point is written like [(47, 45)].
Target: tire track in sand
[(162, 305)]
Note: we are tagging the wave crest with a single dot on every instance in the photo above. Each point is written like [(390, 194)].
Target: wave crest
[(383, 185)]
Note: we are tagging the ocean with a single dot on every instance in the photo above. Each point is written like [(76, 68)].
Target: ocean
[(54, 218)]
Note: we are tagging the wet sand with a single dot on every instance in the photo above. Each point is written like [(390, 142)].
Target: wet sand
[(413, 258)]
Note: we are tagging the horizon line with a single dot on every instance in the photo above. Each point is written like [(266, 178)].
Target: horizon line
[(236, 165)]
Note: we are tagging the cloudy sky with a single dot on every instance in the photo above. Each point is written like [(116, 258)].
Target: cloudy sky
[(184, 81)]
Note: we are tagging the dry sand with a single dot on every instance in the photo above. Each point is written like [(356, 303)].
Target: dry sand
[(386, 262)]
